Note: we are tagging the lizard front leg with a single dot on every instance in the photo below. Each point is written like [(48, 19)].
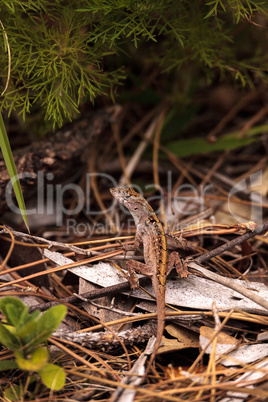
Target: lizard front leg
[(134, 267), (135, 245)]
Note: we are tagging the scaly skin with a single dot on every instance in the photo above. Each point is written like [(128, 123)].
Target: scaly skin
[(151, 233)]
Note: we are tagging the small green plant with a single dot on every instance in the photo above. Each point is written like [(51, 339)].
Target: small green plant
[(23, 333), (64, 54)]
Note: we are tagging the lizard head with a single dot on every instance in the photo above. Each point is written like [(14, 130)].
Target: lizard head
[(133, 201)]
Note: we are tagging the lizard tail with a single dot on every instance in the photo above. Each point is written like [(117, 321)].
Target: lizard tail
[(160, 303)]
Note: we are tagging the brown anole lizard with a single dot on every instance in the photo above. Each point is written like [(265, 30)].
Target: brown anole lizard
[(158, 263)]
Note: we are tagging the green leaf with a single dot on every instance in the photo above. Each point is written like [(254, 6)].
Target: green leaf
[(14, 316), (8, 365), (29, 333), (194, 146), (52, 376), (14, 300), (31, 317), (50, 320), (35, 362), (40, 356), (14, 310), (9, 340), (10, 164), (14, 393), (36, 331)]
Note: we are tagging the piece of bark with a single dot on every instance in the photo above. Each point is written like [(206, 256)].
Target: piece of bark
[(107, 339), (59, 154)]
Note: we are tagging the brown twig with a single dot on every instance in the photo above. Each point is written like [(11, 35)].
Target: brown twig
[(227, 246), (254, 119), (94, 294)]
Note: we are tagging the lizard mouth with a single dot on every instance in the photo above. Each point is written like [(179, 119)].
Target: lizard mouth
[(116, 192), (119, 192)]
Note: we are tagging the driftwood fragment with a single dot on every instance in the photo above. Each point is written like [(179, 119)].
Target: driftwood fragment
[(59, 154)]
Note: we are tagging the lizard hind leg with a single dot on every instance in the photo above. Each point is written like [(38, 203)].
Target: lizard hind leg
[(174, 260)]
